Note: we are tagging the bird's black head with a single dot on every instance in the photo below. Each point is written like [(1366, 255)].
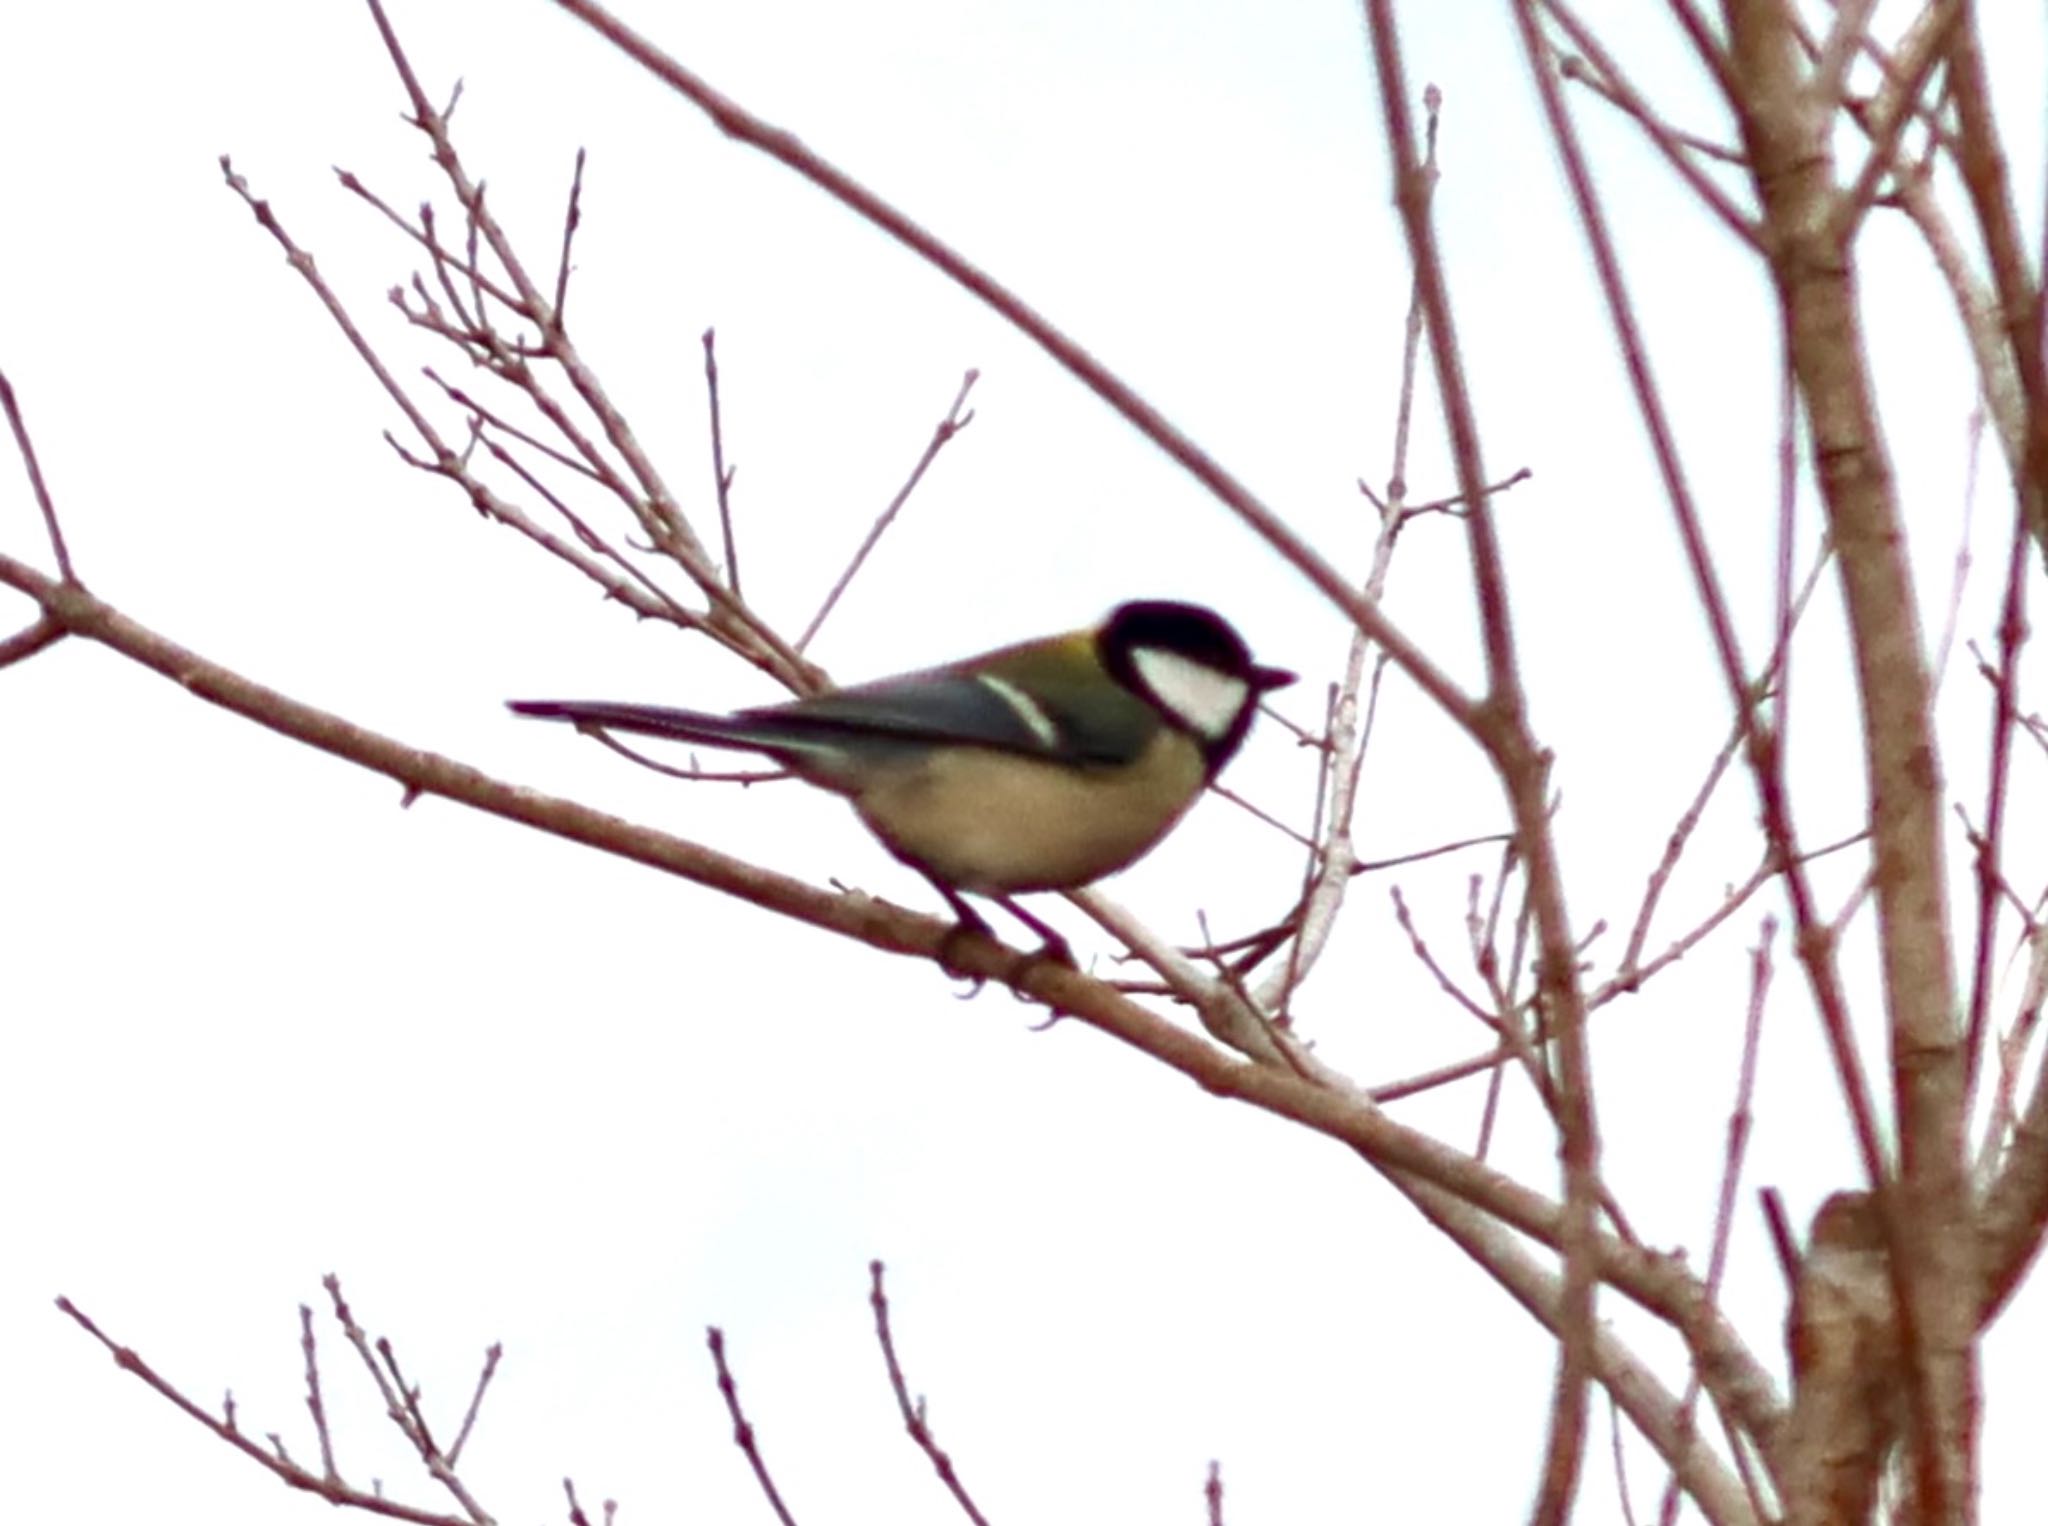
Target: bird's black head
[(1191, 665)]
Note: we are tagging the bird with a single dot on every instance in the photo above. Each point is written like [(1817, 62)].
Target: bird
[(1041, 766)]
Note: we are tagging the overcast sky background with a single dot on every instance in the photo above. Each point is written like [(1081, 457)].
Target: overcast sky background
[(262, 1024)]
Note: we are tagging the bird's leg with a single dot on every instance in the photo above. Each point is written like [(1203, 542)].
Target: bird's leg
[(970, 922), (1053, 946)]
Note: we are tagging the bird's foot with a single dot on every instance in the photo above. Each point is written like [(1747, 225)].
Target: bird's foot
[(967, 927)]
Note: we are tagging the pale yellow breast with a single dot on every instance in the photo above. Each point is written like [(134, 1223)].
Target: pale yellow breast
[(995, 823)]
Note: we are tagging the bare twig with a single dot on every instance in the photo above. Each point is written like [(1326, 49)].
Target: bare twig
[(637, 483), (572, 219), (578, 1516), (1445, 983), (1674, 850), (2012, 637), (721, 474), (913, 1411), (428, 238), (25, 643), (1375, 865), (1630, 979), (1327, 874), (2002, 1128), (1620, 1460), (1774, 681), (442, 459), (492, 1354), (1601, 72), (1260, 813), (950, 425), (2015, 1217), (1760, 969), (315, 1405), (402, 1402), (1453, 507), (743, 1428), (27, 448), (275, 1460)]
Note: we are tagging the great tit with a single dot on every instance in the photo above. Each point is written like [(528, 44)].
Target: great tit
[(1040, 766)]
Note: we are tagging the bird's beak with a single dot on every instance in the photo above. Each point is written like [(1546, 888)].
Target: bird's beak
[(1264, 679)]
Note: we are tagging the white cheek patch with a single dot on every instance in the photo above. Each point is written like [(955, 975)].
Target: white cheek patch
[(1206, 700)]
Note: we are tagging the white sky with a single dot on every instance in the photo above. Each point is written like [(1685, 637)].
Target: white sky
[(261, 1024)]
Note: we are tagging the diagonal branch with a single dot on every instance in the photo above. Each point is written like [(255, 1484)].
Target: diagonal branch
[(737, 122)]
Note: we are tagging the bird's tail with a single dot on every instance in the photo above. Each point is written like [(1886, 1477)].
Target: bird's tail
[(653, 720), (793, 742)]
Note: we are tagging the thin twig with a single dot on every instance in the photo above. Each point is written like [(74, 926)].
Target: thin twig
[(1966, 537), (441, 459), (950, 425), (274, 1461), (1621, 1490), (721, 474), (743, 1428), (492, 1354), (1326, 875), (1420, 946), (27, 448), (572, 219), (470, 403), (2003, 1126), (1603, 74), (1375, 865), (402, 1402), (1775, 681), (1260, 813), (913, 1412), (315, 1405), (578, 1516), (1628, 980), (2012, 638), (1739, 1122), (1454, 505), (647, 497), (429, 241)]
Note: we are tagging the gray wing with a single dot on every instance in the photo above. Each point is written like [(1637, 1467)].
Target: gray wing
[(977, 709)]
